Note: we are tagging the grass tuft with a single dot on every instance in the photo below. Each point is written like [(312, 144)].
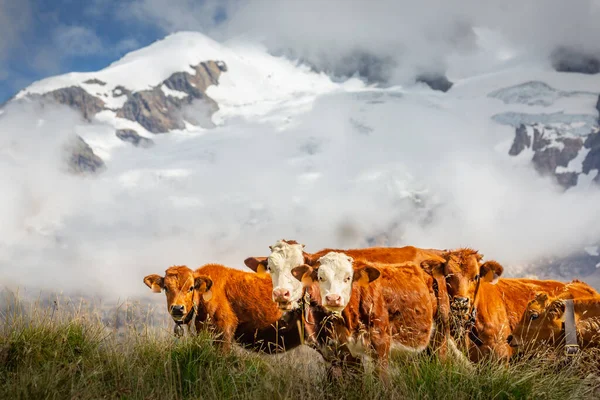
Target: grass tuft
[(71, 352)]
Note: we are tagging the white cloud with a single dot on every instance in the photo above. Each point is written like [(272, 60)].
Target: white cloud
[(407, 36), (126, 45), (77, 41), (174, 16)]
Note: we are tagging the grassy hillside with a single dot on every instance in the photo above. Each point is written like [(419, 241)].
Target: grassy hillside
[(52, 351)]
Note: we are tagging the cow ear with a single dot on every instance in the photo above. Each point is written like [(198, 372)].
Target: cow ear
[(434, 268), (203, 284), (257, 264), (446, 254), (556, 309), (365, 274), (305, 274), (154, 282), (490, 271)]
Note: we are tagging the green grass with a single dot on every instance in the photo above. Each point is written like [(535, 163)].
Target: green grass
[(74, 354)]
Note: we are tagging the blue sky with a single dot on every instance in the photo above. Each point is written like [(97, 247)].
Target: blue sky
[(40, 38), (56, 36)]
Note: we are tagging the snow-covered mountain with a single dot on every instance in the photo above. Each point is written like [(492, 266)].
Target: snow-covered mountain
[(212, 151)]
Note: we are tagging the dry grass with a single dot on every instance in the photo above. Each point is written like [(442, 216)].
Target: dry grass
[(55, 349)]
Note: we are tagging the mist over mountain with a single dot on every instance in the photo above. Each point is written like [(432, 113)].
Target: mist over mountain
[(201, 149)]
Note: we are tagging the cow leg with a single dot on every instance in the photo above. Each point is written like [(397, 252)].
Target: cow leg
[(381, 343), (441, 319), (226, 323)]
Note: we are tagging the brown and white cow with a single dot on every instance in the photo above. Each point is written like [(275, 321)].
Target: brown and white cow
[(489, 307), (417, 302), (236, 303), (542, 323), (347, 311)]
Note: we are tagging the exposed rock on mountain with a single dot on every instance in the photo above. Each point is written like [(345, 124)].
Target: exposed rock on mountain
[(78, 99), (553, 152), (549, 155), (436, 82), (592, 160), (372, 68), (158, 109), (82, 159), (131, 136), (95, 81), (570, 60), (522, 141)]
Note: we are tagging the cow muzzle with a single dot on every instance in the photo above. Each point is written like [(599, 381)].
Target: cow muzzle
[(513, 341), (282, 298), (333, 301), (177, 312), (460, 304)]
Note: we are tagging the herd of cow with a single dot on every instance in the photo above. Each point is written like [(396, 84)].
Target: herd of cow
[(348, 304)]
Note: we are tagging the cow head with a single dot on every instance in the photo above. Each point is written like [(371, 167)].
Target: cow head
[(540, 324), (462, 271), (183, 288), (285, 256), (335, 274)]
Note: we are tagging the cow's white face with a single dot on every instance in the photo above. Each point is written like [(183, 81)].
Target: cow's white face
[(287, 290), (335, 275)]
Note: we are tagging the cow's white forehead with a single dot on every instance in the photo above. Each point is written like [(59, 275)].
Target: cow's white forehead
[(338, 262), (282, 252)]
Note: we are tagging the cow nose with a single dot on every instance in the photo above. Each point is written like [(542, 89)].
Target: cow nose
[(460, 302), (281, 295), (333, 299), (177, 309), (509, 339)]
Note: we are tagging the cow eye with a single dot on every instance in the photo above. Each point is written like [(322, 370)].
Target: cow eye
[(476, 278), (346, 279), (191, 288), (321, 279), (533, 316)]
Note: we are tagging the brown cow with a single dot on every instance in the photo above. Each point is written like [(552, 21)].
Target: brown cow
[(347, 310), (488, 307), (542, 323), (418, 316), (236, 303)]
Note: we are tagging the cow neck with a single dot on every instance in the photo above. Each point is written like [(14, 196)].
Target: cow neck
[(473, 309), (321, 316), (290, 316), (467, 328), (188, 318)]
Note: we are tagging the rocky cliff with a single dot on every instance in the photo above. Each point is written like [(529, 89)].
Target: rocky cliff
[(559, 152), (158, 109)]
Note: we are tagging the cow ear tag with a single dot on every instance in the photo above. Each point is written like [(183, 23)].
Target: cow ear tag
[(261, 270), (207, 295), (156, 288)]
